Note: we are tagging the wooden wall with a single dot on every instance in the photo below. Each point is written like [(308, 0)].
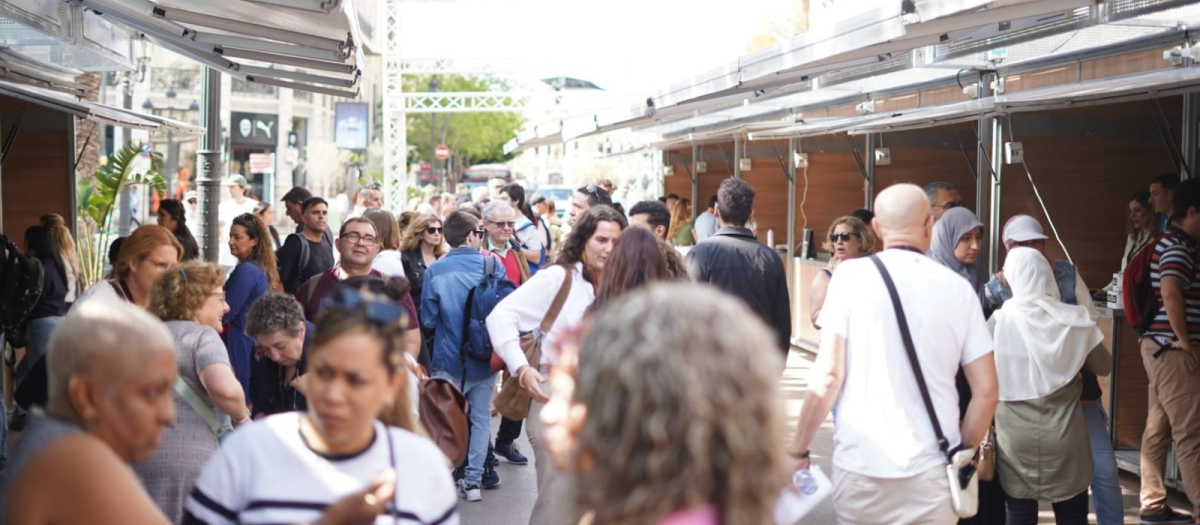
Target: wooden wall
[(36, 177)]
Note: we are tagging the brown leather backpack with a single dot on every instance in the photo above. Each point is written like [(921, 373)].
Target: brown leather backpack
[(444, 414)]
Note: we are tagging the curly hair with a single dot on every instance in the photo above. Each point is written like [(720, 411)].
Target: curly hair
[(183, 288), (272, 312), (415, 233), (688, 399), (675, 263), (261, 254), (856, 226), (585, 226)]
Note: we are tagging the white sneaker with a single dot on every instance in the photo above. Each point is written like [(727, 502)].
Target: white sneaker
[(469, 492)]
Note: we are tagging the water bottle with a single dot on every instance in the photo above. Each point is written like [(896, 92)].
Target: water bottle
[(804, 481)]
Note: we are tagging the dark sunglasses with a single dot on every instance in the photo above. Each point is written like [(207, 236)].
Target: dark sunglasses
[(505, 224), (433, 230), (480, 233), (593, 189), (348, 300), (843, 237)]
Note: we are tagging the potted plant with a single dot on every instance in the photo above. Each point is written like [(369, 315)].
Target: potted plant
[(98, 197)]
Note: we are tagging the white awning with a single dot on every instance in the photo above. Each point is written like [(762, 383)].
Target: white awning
[(64, 35), (814, 127), (274, 45), (927, 117), (93, 110), (1126, 88)]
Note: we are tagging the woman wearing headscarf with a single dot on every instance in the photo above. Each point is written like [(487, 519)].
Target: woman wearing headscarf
[(1041, 346), (957, 238)]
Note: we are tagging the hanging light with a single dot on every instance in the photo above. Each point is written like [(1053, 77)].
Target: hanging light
[(147, 105)]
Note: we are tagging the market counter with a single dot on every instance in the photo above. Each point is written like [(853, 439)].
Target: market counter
[(1126, 389)]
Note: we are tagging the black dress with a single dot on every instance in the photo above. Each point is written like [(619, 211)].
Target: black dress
[(414, 269)]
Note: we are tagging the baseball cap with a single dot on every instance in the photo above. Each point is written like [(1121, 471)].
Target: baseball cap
[(1022, 228), (236, 180), (191, 195)]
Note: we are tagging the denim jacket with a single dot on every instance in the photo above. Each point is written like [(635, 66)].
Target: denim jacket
[(443, 300), (997, 293)]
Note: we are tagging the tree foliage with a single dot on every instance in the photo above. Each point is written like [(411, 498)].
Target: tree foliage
[(474, 138)]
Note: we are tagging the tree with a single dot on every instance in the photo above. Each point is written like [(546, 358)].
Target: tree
[(473, 138), (790, 19)]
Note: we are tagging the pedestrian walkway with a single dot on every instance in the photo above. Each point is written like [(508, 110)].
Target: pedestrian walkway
[(512, 503)]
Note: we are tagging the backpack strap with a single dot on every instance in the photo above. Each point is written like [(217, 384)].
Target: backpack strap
[(489, 266), (902, 322)]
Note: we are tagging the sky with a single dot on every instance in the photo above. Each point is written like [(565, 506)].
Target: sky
[(625, 46)]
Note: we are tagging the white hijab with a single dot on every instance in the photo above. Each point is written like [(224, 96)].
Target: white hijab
[(1041, 342)]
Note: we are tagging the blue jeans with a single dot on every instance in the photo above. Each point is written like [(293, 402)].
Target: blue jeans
[(40, 331), (479, 395), (1106, 486)]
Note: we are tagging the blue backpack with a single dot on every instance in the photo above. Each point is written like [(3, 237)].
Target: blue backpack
[(481, 300)]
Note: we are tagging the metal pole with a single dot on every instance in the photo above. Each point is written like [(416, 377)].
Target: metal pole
[(983, 90), (208, 165), (869, 186), (739, 151), (793, 146), (994, 224), (695, 181), (125, 224), (1187, 139)]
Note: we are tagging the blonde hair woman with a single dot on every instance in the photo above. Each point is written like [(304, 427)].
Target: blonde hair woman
[(689, 404), (680, 232), (849, 238), (66, 251)]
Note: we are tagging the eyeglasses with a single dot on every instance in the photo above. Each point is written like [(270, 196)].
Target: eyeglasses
[(357, 238), (433, 230), (841, 237), (504, 224), (948, 205)]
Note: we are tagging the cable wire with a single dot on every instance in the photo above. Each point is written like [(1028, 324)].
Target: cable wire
[(1038, 194)]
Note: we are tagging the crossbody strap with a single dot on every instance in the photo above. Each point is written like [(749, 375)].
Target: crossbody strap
[(215, 424), (902, 322), (557, 305)]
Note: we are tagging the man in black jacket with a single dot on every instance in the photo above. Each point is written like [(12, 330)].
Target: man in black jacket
[(736, 262)]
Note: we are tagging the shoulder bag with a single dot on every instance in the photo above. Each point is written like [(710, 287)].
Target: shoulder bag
[(960, 466), (513, 401), (220, 426), (443, 413)]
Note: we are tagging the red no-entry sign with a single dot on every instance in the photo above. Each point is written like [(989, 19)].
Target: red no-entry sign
[(442, 152)]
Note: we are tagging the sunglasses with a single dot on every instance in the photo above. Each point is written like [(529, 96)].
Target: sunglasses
[(480, 233), (349, 300), (432, 230), (841, 237), (509, 224), (592, 189)]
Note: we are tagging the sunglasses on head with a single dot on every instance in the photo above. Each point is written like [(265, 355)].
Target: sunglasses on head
[(592, 189), (432, 230), (841, 237)]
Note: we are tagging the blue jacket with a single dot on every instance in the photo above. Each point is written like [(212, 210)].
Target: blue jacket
[(246, 284), (443, 300)]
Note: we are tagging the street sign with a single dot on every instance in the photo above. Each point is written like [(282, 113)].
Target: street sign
[(442, 152), (262, 163)]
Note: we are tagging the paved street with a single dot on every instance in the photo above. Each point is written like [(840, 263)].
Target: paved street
[(513, 501)]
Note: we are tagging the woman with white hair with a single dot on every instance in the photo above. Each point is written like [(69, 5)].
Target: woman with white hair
[(1042, 344)]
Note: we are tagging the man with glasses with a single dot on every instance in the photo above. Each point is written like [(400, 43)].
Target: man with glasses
[(448, 282), (307, 252), (358, 246), (584, 198), (942, 196)]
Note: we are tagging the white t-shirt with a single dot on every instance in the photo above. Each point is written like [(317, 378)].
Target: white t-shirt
[(102, 290), (882, 429), (266, 473), (227, 211), (390, 264)]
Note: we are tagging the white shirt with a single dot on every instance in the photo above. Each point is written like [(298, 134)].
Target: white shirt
[(266, 473), (102, 290), (389, 263), (882, 429), (523, 310), (227, 211), (528, 234)]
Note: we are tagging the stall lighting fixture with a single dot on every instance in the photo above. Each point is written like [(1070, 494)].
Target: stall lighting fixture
[(246, 28), (300, 77), (320, 6)]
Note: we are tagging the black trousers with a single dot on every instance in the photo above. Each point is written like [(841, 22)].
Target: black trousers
[(991, 505), (508, 432), (1070, 512)]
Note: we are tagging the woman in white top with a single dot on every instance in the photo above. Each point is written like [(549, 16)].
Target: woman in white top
[(287, 467), (144, 255), (584, 254), (388, 262)]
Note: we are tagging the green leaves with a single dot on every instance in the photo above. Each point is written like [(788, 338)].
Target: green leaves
[(124, 168)]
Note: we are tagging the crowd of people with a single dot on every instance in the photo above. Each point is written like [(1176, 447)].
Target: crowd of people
[(283, 387)]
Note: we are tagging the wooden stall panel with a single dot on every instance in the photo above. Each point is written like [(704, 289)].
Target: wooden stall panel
[(36, 176), (770, 197), (831, 188)]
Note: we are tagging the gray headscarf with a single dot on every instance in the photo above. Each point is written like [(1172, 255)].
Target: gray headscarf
[(955, 223)]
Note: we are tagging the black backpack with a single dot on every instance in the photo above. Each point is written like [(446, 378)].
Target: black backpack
[(19, 292)]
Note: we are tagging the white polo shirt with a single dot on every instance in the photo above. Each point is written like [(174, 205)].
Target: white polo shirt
[(882, 429)]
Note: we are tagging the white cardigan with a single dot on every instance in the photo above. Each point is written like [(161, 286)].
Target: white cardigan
[(523, 310)]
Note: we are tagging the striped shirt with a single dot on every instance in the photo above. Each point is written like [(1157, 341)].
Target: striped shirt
[(1175, 257), (266, 473)]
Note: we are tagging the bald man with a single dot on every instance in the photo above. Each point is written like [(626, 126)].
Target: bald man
[(901, 478)]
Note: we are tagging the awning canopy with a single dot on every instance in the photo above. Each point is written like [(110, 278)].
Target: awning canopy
[(64, 35), (927, 117), (277, 46), (1141, 86), (93, 110), (814, 127)]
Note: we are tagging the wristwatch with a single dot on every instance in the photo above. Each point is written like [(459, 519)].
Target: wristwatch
[(799, 455)]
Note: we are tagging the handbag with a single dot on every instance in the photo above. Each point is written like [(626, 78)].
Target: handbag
[(513, 401), (960, 465), (443, 412), (219, 425), (985, 464)]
